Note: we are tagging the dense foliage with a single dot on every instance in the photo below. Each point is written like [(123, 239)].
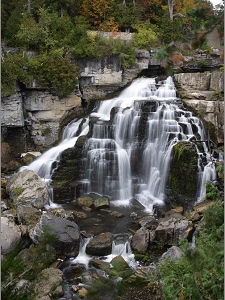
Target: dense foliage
[(46, 26), (199, 274)]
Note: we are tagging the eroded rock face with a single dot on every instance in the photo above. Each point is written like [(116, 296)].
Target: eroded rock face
[(202, 93), (65, 232), (27, 188)]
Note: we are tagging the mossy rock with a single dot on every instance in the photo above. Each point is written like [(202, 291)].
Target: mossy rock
[(101, 202), (84, 202), (183, 175)]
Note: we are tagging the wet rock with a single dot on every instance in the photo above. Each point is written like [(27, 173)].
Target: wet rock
[(27, 188), (66, 233), (47, 282), (117, 214), (100, 264), (119, 264), (183, 175), (101, 202), (172, 229), (140, 240), (173, 253), (100, 245), (10, 235), (84, 202), (27, 159)]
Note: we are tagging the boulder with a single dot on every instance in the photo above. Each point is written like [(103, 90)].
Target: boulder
[(172, 229), (66, 233), (101, 202), (100, 245), (28, 215), (140, 240), (173, 253), (119, 264), (149, 222), (28, 188), (84, 202), (47, 282), (10, 235)]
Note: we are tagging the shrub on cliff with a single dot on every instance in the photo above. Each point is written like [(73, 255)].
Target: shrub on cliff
[(53, 70), (13, 71)]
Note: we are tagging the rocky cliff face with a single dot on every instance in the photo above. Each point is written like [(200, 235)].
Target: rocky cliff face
[(32, 118), (203, 94)]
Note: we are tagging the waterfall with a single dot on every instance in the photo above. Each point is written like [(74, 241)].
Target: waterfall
[(121, 247), (82, 257), (131, 139)]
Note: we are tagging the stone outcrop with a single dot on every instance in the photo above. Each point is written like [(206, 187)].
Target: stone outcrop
[(12, 110), (202, 93), (65, 233), (168, 231), (172, 229), (28, 188)]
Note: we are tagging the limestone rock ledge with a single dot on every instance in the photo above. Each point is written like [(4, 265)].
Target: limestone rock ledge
[(203, 94)]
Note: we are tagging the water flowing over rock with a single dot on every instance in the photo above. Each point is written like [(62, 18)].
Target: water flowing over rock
[(124, 149), (65, 232), (27, 187), (100, 245)]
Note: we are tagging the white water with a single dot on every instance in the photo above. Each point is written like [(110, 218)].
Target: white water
[(82, 257), (114, 145), (122, 249)]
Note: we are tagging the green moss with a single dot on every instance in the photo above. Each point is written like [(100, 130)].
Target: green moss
[(183, 171), (18, 191)]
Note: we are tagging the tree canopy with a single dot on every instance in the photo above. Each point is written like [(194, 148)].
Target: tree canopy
[(50, 26)]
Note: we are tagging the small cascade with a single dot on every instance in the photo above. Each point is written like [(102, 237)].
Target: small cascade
[(82, 257), (47, 162), (121, 247), (208, 175)]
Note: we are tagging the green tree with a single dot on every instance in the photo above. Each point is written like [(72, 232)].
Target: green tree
[(54, 71), (13, 72), (145, 38)]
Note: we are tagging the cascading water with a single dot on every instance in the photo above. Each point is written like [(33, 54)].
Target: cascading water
[(132, 137)]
